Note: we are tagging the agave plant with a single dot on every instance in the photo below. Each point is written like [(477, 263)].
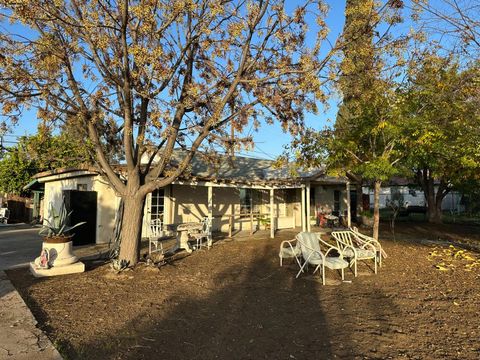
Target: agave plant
[(56, 224)]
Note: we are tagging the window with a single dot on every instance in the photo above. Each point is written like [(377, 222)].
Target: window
[(248, 201), (157, 205)]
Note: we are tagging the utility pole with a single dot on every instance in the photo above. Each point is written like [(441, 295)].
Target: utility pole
[(2, 134)]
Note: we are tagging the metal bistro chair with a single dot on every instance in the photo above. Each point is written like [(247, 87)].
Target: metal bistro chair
[(154, 239), (204, 234)]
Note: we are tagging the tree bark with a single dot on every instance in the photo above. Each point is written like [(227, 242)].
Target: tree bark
[(131, 230), (434, 200), (376, 208)]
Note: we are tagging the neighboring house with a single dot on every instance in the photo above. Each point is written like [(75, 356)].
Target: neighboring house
[(412, 195), (231, 192)]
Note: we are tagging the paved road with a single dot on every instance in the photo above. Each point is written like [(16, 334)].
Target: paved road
[(18, 245)]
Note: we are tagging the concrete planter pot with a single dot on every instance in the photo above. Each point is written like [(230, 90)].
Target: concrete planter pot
[(60, 250), (367, 221), (61, 260)]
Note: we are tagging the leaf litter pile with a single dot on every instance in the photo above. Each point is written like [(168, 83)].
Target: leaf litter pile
[(453, 258), (234, 301)]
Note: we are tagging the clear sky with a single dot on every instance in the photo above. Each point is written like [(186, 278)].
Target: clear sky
[(270, 139)]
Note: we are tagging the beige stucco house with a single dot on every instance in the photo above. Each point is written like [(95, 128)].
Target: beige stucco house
[(237, 194)]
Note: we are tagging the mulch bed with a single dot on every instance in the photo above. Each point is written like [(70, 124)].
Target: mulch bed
[(235, 302)]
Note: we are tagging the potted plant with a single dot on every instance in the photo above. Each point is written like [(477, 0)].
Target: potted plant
[(367, 218), (57, 240), (56, 230)]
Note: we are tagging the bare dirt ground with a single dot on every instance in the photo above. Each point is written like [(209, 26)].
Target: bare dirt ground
[(235, 302)]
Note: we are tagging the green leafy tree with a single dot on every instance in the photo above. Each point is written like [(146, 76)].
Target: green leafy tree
[(40, 152), (441, 127), (364, 140)]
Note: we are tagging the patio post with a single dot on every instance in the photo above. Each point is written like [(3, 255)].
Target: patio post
[(272, 223), (167, 205), (349, 211), (304, 227), (308, 207), (210, 213)]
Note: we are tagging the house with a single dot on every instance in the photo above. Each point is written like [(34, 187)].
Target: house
[(410, 194), (238, 194)]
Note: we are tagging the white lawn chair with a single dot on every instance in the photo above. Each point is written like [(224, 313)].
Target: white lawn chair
[(290, 249), (360, 238), (204, 234), (312, 254), (354, 248), (154, 238)]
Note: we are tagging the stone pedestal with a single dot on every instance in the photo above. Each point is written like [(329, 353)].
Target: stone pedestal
[(61, 260), (77, 267)]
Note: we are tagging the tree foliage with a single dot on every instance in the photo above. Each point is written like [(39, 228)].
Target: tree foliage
[(37, 153), (441, 126)]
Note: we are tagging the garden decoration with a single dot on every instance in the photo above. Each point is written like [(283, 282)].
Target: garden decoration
[(57, 256)]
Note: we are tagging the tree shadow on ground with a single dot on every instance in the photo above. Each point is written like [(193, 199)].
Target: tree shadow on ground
[(241, 306)]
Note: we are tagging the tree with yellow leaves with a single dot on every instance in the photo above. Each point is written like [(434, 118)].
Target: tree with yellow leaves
[(160, 74)]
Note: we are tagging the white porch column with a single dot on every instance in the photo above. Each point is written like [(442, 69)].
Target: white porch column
[(349, 211), (167, 205), (308, 207), (210, 214), (272, 222), (304, 223)]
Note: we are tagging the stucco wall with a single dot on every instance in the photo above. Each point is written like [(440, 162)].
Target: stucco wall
[(107, 205)]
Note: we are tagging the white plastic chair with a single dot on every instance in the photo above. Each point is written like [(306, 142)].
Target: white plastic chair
[(290, 249), (354, 248), (154, 238), (312, 254)]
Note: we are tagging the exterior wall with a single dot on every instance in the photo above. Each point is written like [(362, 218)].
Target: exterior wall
[(190, 203), (107, 206), (324, 198)]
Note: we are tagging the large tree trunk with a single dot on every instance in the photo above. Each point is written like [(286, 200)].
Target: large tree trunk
[(131, 230), (434, 200), (376, 208)]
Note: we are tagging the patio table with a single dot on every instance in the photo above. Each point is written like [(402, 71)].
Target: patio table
[(331, 220), (183, 230)]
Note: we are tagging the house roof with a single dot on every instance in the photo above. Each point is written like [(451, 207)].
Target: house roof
[(219, 167)]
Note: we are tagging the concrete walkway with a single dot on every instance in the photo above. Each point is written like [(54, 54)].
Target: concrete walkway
[(19, 337)]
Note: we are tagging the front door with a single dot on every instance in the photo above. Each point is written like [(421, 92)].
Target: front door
[(84, 207)]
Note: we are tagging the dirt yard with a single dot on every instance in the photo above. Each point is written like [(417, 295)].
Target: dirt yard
[(235, 302)]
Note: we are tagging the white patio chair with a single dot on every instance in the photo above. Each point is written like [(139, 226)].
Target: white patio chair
[(360, 238), (354, 248), (154, 238), (204, 234), (312, 254), (290, 249)]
